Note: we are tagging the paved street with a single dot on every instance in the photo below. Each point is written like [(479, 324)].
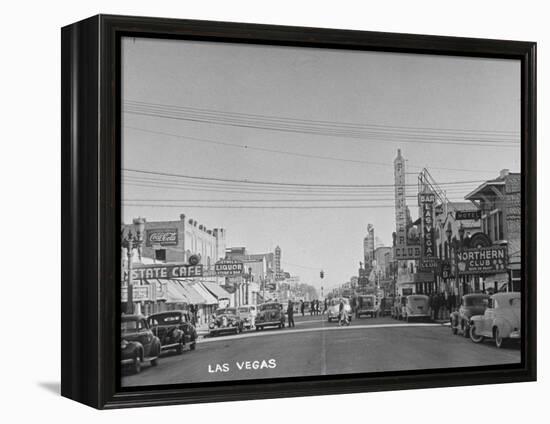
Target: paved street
[(315, 347)]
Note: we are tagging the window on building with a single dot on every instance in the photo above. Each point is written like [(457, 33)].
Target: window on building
[(160, 255)]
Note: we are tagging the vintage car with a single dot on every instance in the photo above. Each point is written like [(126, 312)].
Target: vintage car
[(248, 315), (270, 314), (138, 344), (225, 320), (333, 312), (174, 329), (470, 305), (501, 320), (367, 305), (417, 306)]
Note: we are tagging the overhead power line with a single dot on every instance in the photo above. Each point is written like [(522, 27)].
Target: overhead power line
[(248, 147), (325, 128), (278, 183), (270, 117)]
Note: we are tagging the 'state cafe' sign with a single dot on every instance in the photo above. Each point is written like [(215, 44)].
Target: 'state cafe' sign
[(145, 272), (150, 272)]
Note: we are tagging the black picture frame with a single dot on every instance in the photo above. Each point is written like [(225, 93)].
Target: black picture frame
[(91, 209)]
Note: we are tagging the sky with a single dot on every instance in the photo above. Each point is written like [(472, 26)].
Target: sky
[(309, 120)]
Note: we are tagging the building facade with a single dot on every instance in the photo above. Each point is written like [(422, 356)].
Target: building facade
[(176, 241)]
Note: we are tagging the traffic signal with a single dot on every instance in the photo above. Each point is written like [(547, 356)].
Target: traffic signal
[(322, 274)]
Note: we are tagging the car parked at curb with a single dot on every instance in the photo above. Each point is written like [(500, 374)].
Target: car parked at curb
[(470, 305), (174, 330), (501, 320), (138, 344), (225, 320), (270, 314)]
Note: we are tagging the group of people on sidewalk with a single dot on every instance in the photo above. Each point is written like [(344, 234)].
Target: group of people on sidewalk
[(442, 304)]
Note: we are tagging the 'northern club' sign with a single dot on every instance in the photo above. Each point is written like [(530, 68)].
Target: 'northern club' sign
[(485, 260)]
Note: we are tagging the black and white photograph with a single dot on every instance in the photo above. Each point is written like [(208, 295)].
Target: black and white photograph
[(301, 212)]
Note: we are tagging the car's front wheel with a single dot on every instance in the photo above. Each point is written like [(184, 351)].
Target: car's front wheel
[(179, 349), (155, 362), (474, 336)]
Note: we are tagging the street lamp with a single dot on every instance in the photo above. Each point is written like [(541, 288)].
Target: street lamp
[(132, 239)]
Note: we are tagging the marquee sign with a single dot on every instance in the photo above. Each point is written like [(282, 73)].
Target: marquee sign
[(144, 272), (426, 201), (161, 237), (485, 260), (228, 267)]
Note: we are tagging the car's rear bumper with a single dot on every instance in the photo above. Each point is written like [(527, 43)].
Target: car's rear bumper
[(127, 361)]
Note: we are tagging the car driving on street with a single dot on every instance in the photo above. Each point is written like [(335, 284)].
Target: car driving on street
[(225, 320), (417, 306), (366, 305), (270, 314)]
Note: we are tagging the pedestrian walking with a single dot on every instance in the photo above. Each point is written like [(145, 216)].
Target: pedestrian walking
[(302, 307), (326, 307), (290, 313)]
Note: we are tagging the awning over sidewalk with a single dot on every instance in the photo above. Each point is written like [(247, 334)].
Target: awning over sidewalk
[(216, 290), (174, 293), (209, 299)]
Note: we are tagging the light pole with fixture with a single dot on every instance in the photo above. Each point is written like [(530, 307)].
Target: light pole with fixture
[(130, 240)]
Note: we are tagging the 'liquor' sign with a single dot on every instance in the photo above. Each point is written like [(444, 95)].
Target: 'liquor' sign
[(485, 260), (162, 237), (228, 267)]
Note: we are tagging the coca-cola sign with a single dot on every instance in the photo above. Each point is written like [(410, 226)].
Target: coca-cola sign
[(162, 237)]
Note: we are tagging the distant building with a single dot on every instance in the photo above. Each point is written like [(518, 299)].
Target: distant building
[(176, 241)]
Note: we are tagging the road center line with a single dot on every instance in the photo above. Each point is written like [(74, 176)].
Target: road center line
[(277, 332)]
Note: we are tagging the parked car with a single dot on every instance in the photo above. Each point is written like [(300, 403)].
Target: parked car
[(367, 305), (138, 344), (270, 314), (417, 306), (174, 329), (501, 320), (248, 314), (470, 305), (225, 320), (333, 312)]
